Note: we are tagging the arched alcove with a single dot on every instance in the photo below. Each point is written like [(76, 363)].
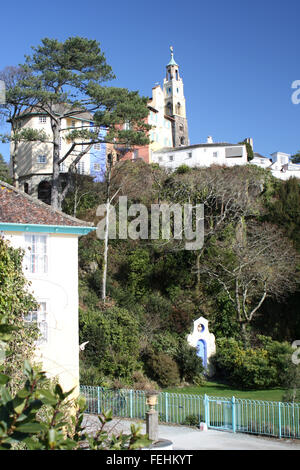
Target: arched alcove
[(44, 192)]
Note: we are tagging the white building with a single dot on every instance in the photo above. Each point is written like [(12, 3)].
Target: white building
[(50, 241), (202, 155), (279, 164)]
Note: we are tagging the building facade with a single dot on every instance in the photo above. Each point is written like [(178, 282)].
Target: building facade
[(49, 239), (167, 118), (202, 155), (34, 160)]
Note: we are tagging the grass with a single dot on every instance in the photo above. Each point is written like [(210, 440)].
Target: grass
[(222, 390)]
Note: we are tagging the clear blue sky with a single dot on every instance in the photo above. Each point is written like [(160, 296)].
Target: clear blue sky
[(238, 58)]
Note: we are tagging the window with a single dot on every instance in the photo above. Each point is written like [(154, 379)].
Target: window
[(97, 146), (39, 317), (160, 159), (62, 168), (36, 255), (42, 119), (73, 123), (97, 167), (80, 168), (189, 154), (135, 155), (127, 126), (171, 158), (215, 154), (42, 159)]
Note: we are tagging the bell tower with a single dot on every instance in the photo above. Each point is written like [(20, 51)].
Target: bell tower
[(175, 103)]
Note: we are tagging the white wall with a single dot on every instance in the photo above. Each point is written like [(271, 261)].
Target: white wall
[(59, 288), (200, 157)]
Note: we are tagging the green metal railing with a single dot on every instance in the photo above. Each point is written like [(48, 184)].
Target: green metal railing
[(238, 415)]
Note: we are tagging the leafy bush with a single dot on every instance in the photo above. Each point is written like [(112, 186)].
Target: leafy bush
[(192, 420), (190, 365), (113, 346), (252, 368), (163, 369)]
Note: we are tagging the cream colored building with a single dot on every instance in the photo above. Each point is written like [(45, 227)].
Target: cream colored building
[(35, 159), (49, 239)]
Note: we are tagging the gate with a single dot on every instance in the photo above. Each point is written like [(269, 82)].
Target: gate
[(220, 413)]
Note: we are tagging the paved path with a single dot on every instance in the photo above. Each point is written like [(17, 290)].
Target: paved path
[(188, 438)]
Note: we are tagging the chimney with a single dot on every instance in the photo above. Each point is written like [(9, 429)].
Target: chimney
[(209, 140)]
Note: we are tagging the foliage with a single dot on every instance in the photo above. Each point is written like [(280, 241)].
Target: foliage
[(163, 369), (284, 208), (183, 169), (19, 423), (190, 365), (296, 158), (61, 79), (249, 149), (192, 420), (15, 303), (258, 367), (4, 170), (113, 336)]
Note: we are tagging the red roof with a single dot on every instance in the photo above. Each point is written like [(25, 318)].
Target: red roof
[(17, 207)]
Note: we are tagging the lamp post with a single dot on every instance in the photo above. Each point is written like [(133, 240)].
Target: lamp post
[(152, 416)]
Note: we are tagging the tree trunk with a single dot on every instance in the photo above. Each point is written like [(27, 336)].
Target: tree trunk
[(105, 253), (55, 189)]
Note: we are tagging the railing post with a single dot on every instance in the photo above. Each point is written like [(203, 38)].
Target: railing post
[(233, 414), (279, 419), (98, 400), (206, 410), (167, 405), (131, 402)]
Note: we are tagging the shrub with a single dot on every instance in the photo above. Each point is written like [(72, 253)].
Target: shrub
[(259, 367), (163, 369), (141, 382), (190, 365), (113, 346), (192, 420)]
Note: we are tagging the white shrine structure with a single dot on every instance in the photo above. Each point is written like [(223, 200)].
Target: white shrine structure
[(204, 342)]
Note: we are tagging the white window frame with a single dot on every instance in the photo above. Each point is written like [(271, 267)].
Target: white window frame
[(80, 167), (42, 119), (215, 154), (97, 167), (41, 318), (37, 260)]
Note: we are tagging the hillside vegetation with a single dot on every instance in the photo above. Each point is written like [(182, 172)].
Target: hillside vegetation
[(244, 280)]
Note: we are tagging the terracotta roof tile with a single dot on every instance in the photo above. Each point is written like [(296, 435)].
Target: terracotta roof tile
[(17, 207)]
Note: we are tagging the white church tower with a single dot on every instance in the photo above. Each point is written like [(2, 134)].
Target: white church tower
[(175, 103)]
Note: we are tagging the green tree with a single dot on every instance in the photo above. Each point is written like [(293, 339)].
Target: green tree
[(296, 158), (4, 170), (63, 79)]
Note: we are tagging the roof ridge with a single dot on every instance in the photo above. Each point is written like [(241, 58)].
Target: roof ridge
[(44, 205)]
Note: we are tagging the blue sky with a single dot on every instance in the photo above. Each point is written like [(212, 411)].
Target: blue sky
[(238, 58)]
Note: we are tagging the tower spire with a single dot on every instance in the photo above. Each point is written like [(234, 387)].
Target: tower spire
[(172, 61)]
